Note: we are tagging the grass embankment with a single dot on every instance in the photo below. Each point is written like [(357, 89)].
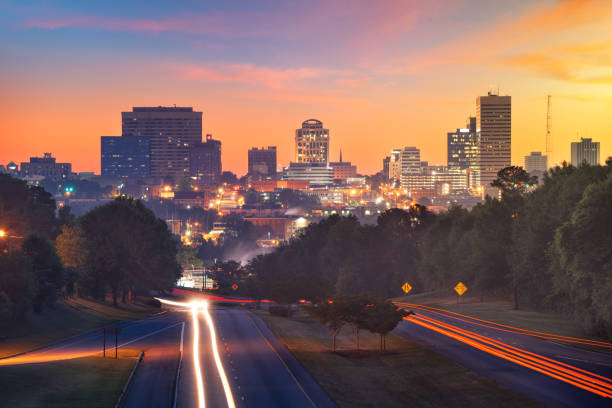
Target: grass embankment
[(500, 311), (80, 382), (408, 375), (68, 317)]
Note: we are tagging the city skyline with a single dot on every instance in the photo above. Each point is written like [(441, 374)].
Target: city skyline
[(407, 92)]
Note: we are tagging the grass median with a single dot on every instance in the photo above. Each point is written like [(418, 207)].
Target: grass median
[(68, 318), (407, 375), (81, 382)]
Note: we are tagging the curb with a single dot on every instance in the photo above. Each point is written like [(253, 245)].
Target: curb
[(126, 387)]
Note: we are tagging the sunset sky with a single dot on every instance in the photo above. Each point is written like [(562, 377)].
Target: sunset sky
[(379, 74)]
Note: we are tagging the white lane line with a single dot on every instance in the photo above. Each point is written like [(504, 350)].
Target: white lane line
[(283, 362), (178, 369), (213, 339)]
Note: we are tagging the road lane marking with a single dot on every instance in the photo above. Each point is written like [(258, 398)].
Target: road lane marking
[(178, 369)]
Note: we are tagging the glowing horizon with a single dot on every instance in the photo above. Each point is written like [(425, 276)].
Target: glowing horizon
[(378, 77)]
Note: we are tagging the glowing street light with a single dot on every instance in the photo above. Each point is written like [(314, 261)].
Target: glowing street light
[(2, 233)]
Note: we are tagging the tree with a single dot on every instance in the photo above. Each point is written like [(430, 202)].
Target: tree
[(18, 285), (514, 178), (382, 316), (583, 252), (72, 250), (228, 177), (47, 268), (331, 313), (127, 249)]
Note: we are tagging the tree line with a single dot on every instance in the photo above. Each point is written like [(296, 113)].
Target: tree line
[(545, 248), (46, 254)]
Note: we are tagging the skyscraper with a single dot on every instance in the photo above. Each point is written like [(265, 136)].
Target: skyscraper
[(462, 150), (172, 132), (585, 151), (536, 164), (385, 169), (205, 160), (262, 162), (126, 157), (312, 143), (395, 166), (493, 124), (410, 158)]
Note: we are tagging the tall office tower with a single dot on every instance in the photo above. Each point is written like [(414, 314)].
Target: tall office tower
[(493, 124), (385, 169), (46, 167), (262, 162), (395, 166), (125, 157), (410, 158), (585, 151), (205, 160), (312, 143), (462, 150), (536, 164), (172, 132)]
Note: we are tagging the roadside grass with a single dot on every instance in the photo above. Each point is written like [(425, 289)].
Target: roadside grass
[(500, 311), (68, 318), (407, 375), (81, 382)]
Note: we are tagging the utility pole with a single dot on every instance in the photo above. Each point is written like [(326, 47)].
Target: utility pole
[(549, 140)]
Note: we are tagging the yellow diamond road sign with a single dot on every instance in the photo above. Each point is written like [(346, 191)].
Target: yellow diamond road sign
[(406, 287), (460, 288)]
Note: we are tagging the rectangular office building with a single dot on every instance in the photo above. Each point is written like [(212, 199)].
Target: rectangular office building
[(493, 124), (125, 157), (172, 132)]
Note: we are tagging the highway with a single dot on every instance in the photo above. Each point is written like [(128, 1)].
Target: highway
[(257, 369), (547, 368)]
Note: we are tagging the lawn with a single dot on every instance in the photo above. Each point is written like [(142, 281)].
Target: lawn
[(408, 375), (69, 317), (82, 382), (500, 311)]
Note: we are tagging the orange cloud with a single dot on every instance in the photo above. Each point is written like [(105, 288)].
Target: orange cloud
[(578, 63)]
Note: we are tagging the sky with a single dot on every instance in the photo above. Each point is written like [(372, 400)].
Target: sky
[(379, 74)]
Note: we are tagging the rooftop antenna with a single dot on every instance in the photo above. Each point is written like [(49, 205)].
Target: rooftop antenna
[(549, 140)]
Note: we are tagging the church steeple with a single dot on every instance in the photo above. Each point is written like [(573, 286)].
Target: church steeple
[(340, 155)]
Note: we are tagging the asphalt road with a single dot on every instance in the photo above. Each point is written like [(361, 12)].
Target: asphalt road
[(550, 391), (260, 370)]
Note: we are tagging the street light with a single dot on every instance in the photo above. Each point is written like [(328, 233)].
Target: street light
[(2, 233)]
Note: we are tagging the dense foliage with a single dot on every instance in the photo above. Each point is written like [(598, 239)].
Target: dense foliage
[(548, 247)]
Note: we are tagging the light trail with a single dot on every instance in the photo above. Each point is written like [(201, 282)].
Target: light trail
[(195, 307), (196, 356), (507, 328), (213, 339), (527, 359)]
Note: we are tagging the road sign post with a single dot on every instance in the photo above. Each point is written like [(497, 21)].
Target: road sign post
[(104, 344), (460, 288)]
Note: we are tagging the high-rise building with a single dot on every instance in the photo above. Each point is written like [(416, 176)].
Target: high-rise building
[(395, 166), (205, 160), (125, 157), (493, 124), (585, 151), (410, 158), (47, 167), (262, 162), (385, 169), (536, 164), (462, 150), (172, 132), (312, 143)]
